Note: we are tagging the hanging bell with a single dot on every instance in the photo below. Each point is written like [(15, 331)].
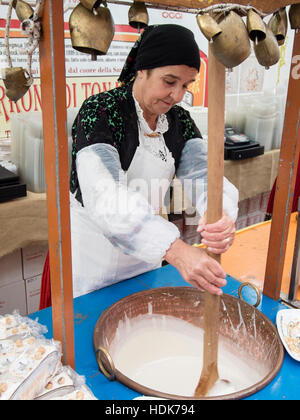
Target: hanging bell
[(91, 4), (16, 82), (91, 33), (294, 16), (23, 10), (278, 25), (267, 51), (255, 26), (208, 26), (138, 15), (232, 46)]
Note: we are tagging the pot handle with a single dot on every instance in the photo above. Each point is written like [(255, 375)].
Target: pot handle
[(255, 288), (99, 351)]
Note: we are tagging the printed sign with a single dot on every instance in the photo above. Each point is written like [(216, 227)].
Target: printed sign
[(85, 77)]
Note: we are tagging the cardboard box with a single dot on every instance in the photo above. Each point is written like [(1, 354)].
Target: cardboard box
[(243, 207), (11, 268), (256, 217), (12, 297), (33, 259), (33, 293), (254, 204), (241, 222), (264, 201)]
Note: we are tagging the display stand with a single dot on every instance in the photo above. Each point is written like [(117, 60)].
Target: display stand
[(52, 62)]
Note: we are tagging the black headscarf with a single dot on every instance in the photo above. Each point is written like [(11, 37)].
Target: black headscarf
[(161, 45)]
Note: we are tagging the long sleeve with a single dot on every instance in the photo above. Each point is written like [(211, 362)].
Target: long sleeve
[(192, 172), (123, 215)]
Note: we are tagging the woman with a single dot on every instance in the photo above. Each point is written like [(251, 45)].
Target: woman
[(128, 144)]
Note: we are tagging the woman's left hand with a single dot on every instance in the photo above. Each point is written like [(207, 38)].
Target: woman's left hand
[(219, 236)]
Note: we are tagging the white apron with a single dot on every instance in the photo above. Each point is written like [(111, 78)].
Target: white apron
[(96, 263)]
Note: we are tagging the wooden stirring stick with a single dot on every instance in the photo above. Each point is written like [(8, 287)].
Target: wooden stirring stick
[(215, 169)]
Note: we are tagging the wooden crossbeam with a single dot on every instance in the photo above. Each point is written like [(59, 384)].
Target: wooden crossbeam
[(266, 6)]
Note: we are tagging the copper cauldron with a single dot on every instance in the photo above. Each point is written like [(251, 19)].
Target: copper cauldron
[(257, 342)]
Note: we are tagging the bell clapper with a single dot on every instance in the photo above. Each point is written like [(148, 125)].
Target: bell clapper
[(138, 28), (93, 57)]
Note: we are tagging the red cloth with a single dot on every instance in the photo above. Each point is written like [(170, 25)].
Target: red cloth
[(296, 194), (45, 299)]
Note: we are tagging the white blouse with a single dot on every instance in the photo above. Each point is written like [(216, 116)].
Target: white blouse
[(139, 232), (153, 141)]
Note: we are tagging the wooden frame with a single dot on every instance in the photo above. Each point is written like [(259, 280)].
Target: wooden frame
[(52, 61), (288, 164), (53, 90), (264, 6)]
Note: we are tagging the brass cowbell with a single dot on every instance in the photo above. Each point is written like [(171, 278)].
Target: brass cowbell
[(267, 51), (91, 4), (23, 10), (255, 26), (294, 16), (278, 25), (16, 81), (232, 45), (91, 33), (138, 15), (208, 26)]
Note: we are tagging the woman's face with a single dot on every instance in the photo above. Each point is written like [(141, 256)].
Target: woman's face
[(163, 87)]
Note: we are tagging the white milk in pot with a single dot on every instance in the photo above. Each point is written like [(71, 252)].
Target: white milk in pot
[(165, 353)]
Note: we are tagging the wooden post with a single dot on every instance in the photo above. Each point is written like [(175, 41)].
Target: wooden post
[(215, 172), (53, 90), (288, 163)]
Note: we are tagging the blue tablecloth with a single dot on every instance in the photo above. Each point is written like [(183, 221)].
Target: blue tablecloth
[(88, 308)]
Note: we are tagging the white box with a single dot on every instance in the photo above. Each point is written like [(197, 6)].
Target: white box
[(12, 297), (33, 257), (11, 268), (33, 293)]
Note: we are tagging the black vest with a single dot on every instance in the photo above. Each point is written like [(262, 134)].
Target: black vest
[(110, 117)]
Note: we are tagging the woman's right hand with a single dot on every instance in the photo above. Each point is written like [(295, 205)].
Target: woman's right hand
[(196, 267)]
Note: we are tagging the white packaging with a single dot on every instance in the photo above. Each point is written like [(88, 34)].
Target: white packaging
[(27, 147), (66, 384), (200, 115), (260, 122), (33, 259), (11, 268), (27, 366), (280, 118), (33, 293), (12, 296), (17, 326)]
